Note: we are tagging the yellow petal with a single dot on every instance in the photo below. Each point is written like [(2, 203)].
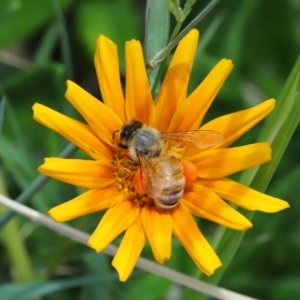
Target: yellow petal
[(76, 132), (86, 203), (190, 113), (107, 67), (84, 173), (244, 196), (101, 118), (116, 220), (158, 228), (174, 87), (187, 232), (204, 203), (139, 103), (130, 249), (216, 163), (234, 125)]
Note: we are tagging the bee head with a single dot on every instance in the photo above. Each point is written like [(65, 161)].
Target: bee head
[(128, 130)]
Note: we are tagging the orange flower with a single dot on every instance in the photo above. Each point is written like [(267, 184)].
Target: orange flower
[(109, 177)]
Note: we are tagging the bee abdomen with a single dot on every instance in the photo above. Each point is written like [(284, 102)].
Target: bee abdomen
[(171, 193), (169, 179)]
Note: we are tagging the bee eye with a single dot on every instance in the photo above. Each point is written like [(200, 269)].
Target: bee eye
[(129, 130), (126, 133)]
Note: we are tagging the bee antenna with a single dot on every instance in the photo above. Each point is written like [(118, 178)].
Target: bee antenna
[(113, 135)]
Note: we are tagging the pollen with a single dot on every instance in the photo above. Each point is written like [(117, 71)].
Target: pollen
[(124, 172), (174, 148)]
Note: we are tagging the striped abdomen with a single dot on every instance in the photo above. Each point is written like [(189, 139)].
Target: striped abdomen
[(166, 183)]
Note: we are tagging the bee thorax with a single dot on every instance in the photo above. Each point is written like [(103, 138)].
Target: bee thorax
[(147, 142)]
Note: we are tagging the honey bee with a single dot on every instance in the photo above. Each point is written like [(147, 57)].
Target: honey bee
[(161, 173)]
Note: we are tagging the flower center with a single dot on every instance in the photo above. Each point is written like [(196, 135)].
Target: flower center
[(124, 172), (131, 177)]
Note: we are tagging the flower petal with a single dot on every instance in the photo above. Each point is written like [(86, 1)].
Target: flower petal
[(107, 67), (187, 232), (215, 163), (84, 173), (244, 196), (139, 103), (158, 228), (102, 119), (86, 203), (76, 132), (130, 249), (234, 125), (204, 203), (190, 113), (117, 219), (174, 87)]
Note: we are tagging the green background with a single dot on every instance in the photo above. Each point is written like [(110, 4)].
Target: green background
[(42, 43)]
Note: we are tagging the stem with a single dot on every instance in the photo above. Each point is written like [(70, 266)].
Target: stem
[(142, 263), (176, 30), (158, 77), (162, 54)]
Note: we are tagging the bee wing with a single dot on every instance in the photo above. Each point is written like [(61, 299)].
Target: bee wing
[(150, 179), (194, 138)]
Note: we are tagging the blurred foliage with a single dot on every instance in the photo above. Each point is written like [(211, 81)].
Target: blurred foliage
[(262, 39)]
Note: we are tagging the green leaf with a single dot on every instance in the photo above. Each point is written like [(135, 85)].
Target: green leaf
[(278, 130), (159, 56), (236, 31), (33, 289), (157, 27), (2, 109), (15, 152), (286, 288), (175, 9), (143, 287), (12, 241), (64, 39), (24, 17), (44, 84), (102, 17), (45, 48), (35, 186), (188, 7)]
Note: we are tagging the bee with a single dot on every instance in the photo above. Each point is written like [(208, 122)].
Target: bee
[(161, 173)]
